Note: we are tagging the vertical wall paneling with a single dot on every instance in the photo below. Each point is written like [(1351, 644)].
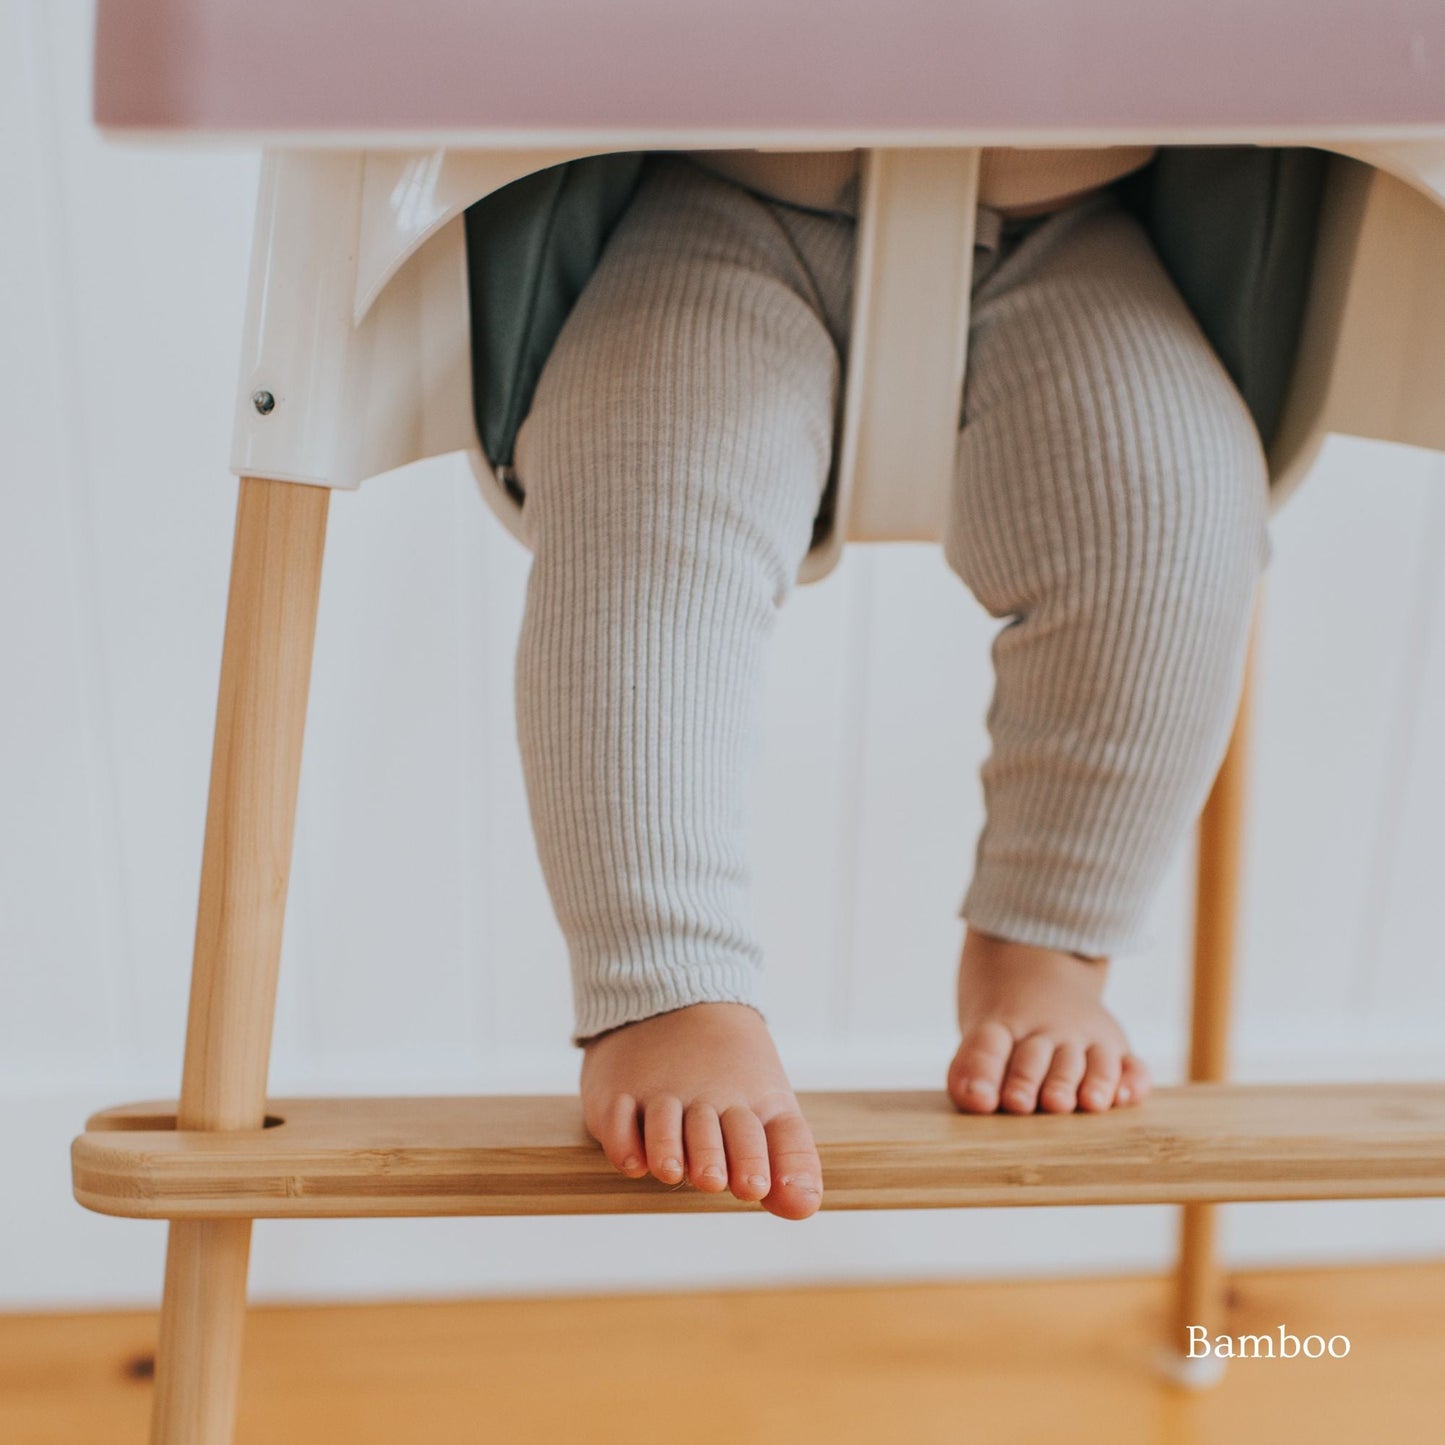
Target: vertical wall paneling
[(383, 876), (800, 806), (1335, 650), (153, 247), (475, 664), (1402, 958), (65, 1003), (526, 959), (928, 686)]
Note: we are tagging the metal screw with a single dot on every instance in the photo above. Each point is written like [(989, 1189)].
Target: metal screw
[(264, 402), (140, 1367)]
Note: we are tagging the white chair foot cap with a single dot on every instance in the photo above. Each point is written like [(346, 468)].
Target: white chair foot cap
[(1201, 1373)]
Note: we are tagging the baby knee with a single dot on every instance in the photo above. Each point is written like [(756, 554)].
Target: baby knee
[(1211, 539), (1095, 524)]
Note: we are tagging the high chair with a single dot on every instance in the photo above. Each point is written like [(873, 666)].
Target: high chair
[(382, 125)]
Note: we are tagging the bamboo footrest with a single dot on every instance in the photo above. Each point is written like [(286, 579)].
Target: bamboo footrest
[(508, 1154)]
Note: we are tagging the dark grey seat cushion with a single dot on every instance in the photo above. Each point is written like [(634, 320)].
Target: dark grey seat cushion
[(531, 247), (1234, 226)]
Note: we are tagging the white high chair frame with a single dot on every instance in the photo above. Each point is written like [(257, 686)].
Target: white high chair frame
[(357, 323), (355, 361)]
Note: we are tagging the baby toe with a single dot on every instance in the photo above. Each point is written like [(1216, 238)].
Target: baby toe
[(978, 1068), (747, 1149), (1134, 1081), (662, 1135), (1101, 1078), (1059, 1093), (797, 1173), (707, 1164), (617, 1131), (1027, 1065)]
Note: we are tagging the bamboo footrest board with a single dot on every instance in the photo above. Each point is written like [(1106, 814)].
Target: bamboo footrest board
[(512, 1154)]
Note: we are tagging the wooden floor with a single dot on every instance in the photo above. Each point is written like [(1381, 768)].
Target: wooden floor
[(987, 1363)]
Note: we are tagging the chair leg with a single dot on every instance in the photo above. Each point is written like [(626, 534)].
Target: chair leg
[(1199, 1286), (250, 818)]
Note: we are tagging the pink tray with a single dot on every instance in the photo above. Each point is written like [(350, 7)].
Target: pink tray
[(846, 67)]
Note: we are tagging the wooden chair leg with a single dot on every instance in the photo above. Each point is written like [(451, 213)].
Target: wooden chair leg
[(1199, 1287), (250, 818)]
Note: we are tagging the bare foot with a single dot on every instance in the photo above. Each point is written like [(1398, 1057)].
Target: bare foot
[(1035, 1034), (700, 1093)]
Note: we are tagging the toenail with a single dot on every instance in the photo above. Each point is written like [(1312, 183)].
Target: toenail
[(757, 1181), (1125, 1094), (632, 1162), (977, 1086), (713, 1172), (670, 1165), (800, 1181)]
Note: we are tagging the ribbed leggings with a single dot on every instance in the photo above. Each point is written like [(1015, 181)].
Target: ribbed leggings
[(1110, 506)]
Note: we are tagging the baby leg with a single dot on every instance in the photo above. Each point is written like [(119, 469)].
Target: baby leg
[(1111, 504), (673, 461)]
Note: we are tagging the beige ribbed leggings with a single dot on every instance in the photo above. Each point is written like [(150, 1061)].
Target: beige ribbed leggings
[(1110, 505)]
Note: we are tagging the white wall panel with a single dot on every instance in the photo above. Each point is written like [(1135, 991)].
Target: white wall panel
[(1402, 979), (803, 806), (924, 692), (60, 967), (519, 947), (1338, 647), (380, 810)]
